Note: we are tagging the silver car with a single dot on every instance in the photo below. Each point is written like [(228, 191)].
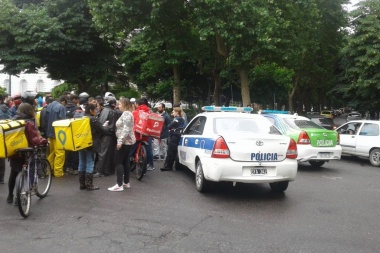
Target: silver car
[(354, 116)]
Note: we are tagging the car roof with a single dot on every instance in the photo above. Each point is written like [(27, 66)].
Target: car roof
[(228, 115), (364, 121)]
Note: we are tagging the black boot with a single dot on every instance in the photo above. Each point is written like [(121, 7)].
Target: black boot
[(82, 180), (166, 167), (89, 184), (1, 179), (10, 198)]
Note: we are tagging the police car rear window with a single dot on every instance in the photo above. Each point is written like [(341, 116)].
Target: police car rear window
[(301, 123), (244, 125)]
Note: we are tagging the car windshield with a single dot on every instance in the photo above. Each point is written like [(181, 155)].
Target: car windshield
[(301, 123), (325, 121), (231, 125)]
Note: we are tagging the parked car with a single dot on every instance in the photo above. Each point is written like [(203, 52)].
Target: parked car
[(315, 144), (361, 138), (328, 114), (236, 147), (354, 116)]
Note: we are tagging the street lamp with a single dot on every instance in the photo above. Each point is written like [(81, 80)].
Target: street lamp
[(10, 85)]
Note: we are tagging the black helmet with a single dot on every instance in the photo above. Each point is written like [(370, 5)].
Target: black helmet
[(28, 97)]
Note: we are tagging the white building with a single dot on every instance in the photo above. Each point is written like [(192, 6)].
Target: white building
[(38, 82)]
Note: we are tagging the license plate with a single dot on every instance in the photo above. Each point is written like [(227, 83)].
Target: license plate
[(324, 155), (258, 171)]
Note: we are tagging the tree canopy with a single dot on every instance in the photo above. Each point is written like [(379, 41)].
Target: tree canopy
[(360, 83)]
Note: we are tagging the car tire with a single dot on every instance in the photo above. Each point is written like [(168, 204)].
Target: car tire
[(201, 184), (279, 186), (374, 157), (316, 164)]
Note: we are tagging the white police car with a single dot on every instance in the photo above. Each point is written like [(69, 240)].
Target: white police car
[(237, 147)]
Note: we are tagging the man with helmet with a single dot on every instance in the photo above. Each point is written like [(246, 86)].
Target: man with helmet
[(104, 165), (55, 111), (29, 97)]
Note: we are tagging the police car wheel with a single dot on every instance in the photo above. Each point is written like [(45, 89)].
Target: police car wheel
[(200, 182), (316, 164), (279, 186)]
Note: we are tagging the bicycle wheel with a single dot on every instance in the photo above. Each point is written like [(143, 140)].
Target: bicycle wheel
[(44, 174), (23, 194), (142, 163)]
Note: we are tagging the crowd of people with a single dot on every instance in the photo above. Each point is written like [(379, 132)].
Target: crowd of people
[(115, 140)]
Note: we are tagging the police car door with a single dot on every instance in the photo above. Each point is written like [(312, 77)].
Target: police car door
[(191, 142)]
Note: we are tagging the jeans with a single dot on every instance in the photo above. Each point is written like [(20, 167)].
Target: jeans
[(149, 152), (86, 160)]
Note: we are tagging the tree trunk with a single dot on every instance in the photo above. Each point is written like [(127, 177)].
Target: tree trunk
[(221, 46), (292, 93), (177, 85), (244, 82), (81, 87), (217, 88)]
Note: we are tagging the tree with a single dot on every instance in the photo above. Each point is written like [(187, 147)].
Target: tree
[(245, 33), (59, 36), (361, 58), (163, 26), (310, 47)]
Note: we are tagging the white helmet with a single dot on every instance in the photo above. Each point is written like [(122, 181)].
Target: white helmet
[(109, 95), (84, 95)]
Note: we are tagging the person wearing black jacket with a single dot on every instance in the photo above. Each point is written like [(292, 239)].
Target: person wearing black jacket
[(104, 166), (87, 155), (177, 123)]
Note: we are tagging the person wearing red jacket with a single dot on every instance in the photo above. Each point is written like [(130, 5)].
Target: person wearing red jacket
[(25, 112), (141, 106)]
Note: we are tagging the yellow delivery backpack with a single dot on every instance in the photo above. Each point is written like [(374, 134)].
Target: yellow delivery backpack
[(73, 134), (12, 137)]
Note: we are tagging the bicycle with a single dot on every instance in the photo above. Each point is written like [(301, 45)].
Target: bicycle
[(139, 160), (34, 178)]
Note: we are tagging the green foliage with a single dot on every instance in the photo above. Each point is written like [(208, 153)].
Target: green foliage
[(361, 58), (59, 90), (57, 35), (3, 91), (271, 82)]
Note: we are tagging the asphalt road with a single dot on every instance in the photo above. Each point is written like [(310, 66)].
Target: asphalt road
[(334, 209)]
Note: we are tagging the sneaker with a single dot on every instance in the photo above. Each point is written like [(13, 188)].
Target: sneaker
[(126, 185), (155, 157), (116, 188), (150, 167)]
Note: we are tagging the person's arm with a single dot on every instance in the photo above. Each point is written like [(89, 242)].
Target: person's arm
[(98, 127), (33, 136)]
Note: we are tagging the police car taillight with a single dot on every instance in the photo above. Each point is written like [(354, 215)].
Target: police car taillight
[(303, 138), (291, 153), (220, 149)]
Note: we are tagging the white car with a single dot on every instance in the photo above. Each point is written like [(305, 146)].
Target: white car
[(236, 147), (361, 138)]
